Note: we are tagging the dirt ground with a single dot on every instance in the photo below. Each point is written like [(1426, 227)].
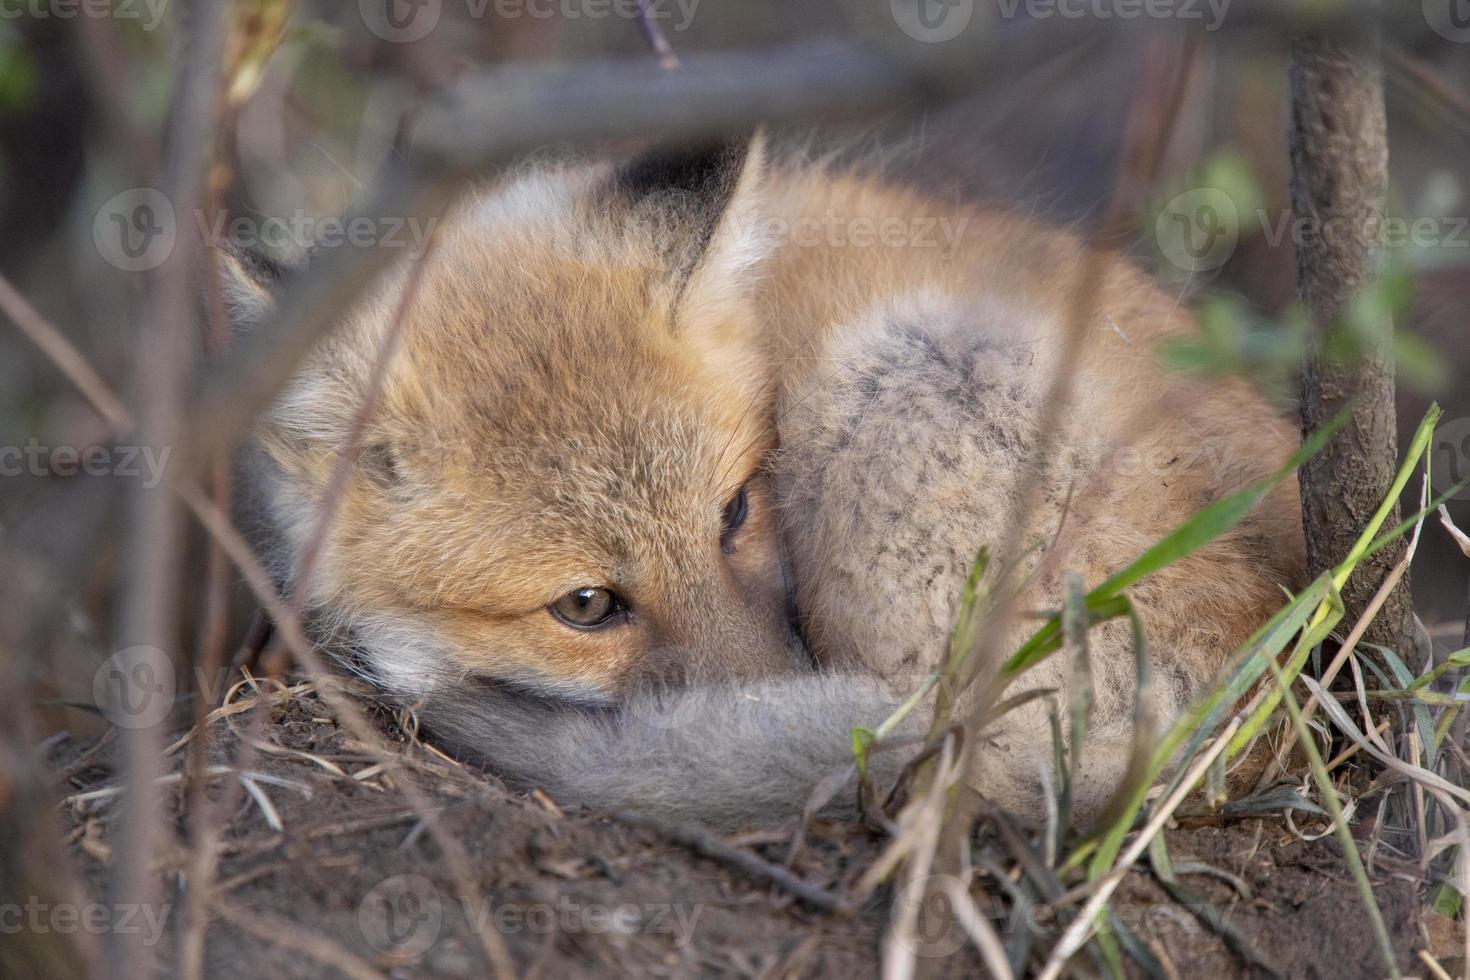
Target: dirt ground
[(577, 894)]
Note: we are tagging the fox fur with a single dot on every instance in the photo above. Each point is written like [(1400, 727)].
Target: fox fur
[(600, 355)]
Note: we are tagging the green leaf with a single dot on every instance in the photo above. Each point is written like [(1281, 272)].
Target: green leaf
[(1446, 900), (862, 740)]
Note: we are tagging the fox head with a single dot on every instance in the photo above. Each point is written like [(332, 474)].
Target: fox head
[(560, 482)]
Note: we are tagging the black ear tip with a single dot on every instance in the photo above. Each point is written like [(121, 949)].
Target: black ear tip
[(701, 169), (262, 269)]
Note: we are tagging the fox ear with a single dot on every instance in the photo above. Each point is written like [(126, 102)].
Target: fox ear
[(248, 283), (705, 202)]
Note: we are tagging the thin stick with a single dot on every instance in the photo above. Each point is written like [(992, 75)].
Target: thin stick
[(64, 354), (352, 451), (153, 546), (214, 633), (711, 846), (654, 35), (280, 932)]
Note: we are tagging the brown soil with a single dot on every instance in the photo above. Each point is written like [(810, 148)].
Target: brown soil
[(575, 894)]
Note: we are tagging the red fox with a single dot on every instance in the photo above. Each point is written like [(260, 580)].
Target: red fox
[(682, 462)]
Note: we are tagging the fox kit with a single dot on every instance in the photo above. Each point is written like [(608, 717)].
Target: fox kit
[(681, 464)]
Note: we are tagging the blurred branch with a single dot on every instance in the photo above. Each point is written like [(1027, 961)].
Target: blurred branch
[(65, 356), (287, 935), (152, 546)]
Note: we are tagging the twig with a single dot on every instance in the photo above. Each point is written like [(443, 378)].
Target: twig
[(352, 451), (654, 35), (280, 932), (64, 354), (213, 634), (153, 547), (703, 842)]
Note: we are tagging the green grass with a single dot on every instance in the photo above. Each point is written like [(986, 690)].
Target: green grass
[(1282, 646)]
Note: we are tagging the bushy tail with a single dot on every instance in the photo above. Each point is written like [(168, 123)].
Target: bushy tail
[(726, 756)]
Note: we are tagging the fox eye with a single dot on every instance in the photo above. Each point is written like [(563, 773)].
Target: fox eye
[(589, 608), (734, 515)]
